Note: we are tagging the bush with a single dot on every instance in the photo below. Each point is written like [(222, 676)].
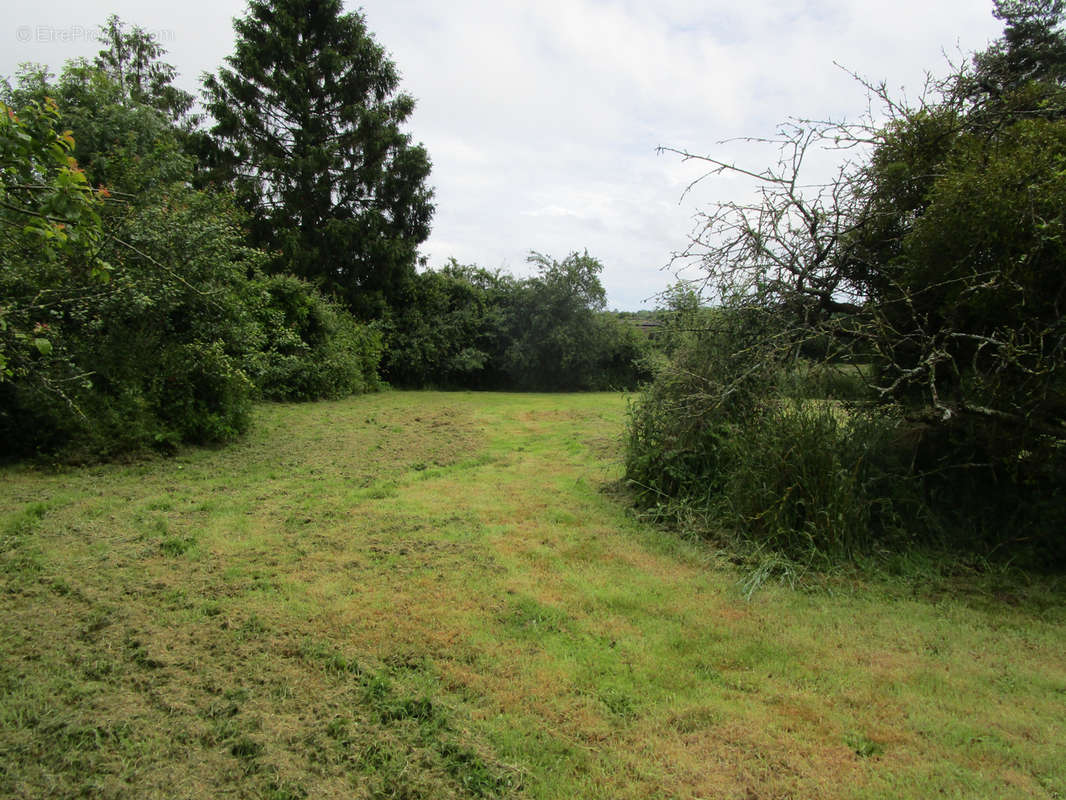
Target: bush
[(154, 357), (449, 329), (836, 380), (803, 477), (463, 326), (131, 315), (313, 348), (982, 496), (737, 446), (621, 355), (728, 430), (815, 479), (714, 380)]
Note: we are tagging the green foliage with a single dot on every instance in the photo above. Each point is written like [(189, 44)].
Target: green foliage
[(558, 336), (313, 348), (720, 432), (50, 237), (449, 328), (811, 479), (465, 326), (966, 297), (308, 131), (130, 120), (552, 324), (990, 298), (50, 233), (731, 445), (134, 315), (937, 267), (131, 61), (622, 353), (716, 380), (1033, 48), (129, 147), (152, 358)]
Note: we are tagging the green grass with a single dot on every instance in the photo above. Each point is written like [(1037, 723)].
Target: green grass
[(443, 595)]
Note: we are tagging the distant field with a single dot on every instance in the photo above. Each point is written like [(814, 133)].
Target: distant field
[(432, 595)]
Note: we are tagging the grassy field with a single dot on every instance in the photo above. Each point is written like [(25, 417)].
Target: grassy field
[(430, 595)]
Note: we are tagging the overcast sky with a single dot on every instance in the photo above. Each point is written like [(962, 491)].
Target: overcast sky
[(542, 118)]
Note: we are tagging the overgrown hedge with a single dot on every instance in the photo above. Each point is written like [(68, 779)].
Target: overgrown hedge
[(766, 456)]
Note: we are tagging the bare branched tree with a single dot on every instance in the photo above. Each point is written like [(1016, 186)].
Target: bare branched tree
[(932, 251)]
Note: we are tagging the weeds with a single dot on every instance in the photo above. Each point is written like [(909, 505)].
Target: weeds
[(863, 746)]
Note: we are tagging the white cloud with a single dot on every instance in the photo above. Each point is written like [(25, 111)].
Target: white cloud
[(542, 118)]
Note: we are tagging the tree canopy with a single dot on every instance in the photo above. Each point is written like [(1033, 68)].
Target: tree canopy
[(308, 127), (466, 326)]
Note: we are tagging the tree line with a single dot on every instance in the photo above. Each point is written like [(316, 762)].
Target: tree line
[(162, 270)]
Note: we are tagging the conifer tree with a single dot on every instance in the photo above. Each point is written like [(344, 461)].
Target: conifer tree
[(308, 129), (1033, 47)]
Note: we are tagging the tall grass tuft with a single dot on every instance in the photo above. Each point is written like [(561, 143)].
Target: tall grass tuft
[(809, 479)]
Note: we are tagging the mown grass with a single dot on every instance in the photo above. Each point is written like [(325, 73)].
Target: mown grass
[(438, 595)]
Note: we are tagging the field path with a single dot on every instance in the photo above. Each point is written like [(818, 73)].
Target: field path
[(445, 595)]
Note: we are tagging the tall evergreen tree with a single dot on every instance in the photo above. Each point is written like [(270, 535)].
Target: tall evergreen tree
[(308, 128), (1033, 47)]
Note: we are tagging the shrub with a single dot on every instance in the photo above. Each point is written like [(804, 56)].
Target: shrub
[(734, 446), (131, 315), (449, 329), (813, 478), (722, 432), (463, 326), (716, 379), (621, 355), (313, 348)]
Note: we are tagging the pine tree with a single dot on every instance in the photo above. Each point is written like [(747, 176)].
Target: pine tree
[(308, 129), (1031, 51)]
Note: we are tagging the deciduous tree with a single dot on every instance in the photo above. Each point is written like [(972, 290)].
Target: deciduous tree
[(935, 254)]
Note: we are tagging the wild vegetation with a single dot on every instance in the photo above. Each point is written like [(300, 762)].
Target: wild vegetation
[(886, 368), (135, 314), (468, 327)]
